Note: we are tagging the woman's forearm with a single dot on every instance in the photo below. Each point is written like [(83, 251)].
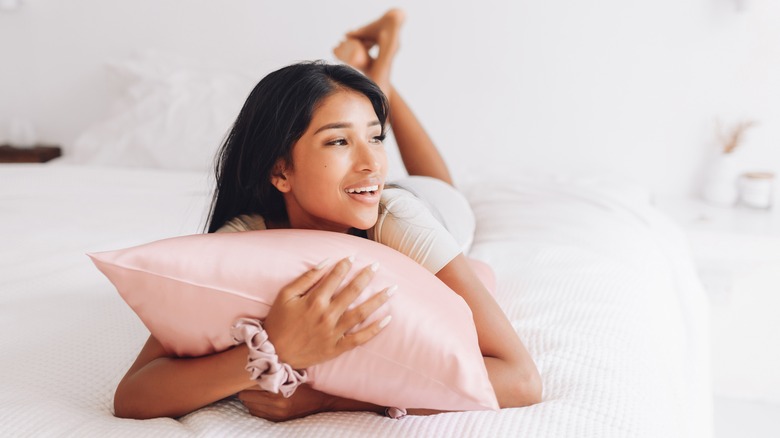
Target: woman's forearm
[(418, 152), (512, 390), (510, 368), (172, 387)]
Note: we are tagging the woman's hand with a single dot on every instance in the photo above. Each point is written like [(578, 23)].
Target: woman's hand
[(305, 401), (309, 322), (274, 407)]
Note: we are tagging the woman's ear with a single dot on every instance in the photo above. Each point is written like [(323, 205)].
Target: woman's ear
[(279, 176)]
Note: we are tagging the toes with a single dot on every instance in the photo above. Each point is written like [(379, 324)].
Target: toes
[(353, 53), (391, 20), (396, 16)]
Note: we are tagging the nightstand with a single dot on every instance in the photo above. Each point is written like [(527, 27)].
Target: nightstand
[(37, 154), (737, 253)]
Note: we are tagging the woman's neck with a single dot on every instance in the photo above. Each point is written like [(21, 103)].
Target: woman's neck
[(275, 225)]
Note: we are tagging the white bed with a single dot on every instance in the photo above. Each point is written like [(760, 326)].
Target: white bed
[(598, 284)]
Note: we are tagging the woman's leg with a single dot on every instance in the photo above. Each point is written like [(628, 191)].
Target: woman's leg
[(418, 152)]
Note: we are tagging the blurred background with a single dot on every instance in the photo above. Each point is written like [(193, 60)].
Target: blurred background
[(627, 87), (652, 92)]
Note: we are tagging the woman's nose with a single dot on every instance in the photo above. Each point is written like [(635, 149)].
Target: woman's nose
[(369, 157)]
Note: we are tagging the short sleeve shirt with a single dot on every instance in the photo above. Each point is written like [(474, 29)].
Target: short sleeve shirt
[(404, 224)]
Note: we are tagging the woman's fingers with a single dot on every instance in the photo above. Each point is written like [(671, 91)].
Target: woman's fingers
[(323, 292), (257, 397), (264, 404), (312, 321), (345, 320), (351, 291), (349, 319), (276, 407), (301, 285), (363, 335)]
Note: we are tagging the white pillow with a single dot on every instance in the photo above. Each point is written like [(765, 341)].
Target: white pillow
[(172, 115)]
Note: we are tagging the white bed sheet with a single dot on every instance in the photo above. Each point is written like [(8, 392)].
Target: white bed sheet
[(598, 284)]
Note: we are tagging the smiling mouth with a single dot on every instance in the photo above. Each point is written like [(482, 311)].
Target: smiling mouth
[(368, 190)]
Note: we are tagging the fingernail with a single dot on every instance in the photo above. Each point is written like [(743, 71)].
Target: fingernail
[(351, 258), (375, 266), (391, 290), (322, 264), (384, 322)]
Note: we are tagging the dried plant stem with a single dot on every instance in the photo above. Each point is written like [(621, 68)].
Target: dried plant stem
[(734, 137)]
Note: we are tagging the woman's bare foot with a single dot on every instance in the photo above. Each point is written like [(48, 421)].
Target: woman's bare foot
[(352, 52), (383, 33)]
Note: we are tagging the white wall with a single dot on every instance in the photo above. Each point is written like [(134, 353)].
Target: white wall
[(626, 86)]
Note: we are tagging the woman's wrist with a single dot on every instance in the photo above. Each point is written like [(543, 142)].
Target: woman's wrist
[(281, 343), (263, 364)]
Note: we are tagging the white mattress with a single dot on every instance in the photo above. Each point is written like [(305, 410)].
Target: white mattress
[(597, 283)]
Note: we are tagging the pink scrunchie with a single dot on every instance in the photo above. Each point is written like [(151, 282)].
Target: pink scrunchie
[(395, 413), (263, 363)]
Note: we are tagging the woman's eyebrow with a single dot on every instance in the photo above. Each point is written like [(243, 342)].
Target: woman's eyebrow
[(337, 125), (342, 125)]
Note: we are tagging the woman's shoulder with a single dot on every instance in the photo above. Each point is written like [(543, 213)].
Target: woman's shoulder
[(406, 224), (400, 206), (243, 222), (397, 199), (420, 192), (417, 199)]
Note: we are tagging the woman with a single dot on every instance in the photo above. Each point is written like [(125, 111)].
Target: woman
[(306, 152)]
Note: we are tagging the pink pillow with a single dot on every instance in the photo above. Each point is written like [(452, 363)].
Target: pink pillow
[(189, 290)]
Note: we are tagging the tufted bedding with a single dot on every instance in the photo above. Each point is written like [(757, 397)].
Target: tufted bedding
[(598, 284)]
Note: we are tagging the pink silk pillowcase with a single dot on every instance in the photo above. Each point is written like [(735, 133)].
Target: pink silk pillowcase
[(189, 291)]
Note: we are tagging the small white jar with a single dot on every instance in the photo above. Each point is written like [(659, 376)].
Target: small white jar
[(756, 189)]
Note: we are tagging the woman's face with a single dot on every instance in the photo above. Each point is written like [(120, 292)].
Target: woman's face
[(338, 167)]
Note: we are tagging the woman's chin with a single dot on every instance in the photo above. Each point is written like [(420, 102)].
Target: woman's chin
[(365, 224)]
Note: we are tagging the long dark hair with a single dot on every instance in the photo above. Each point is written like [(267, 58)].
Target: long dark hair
[(275, 115)]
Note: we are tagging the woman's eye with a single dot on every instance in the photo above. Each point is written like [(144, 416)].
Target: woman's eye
[(337, 142), (379, 139)]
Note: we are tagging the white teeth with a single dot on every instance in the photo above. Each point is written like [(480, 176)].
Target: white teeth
[(363, 189)]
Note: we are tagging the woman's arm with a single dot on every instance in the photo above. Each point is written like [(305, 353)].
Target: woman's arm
[(306, 401), (418, 152), (511, 370), (160, 386), (309, 323), (212, 378)]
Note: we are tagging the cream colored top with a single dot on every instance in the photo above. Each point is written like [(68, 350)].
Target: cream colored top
[(404, 224)]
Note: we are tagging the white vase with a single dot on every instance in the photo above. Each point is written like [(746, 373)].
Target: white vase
[(720, 184), (21, 133)]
